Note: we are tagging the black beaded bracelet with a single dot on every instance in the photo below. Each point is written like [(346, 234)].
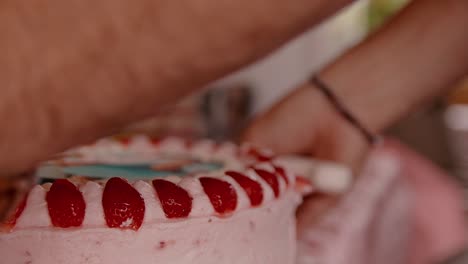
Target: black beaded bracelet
[(342, 110)]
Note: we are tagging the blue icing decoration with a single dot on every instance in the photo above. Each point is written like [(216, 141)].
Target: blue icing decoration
[(137, 171), (108, 171)]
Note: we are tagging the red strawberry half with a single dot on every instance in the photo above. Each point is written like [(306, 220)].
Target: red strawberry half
[(252, 188), (271, 179), (66, 204), (175, 201), (18, 211), (155, 141), (282, 173), (222, 195), (123, 205), (259, 155)]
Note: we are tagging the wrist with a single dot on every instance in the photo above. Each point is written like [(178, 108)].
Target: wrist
[(363, 97), (340, 140), (404, 65), (342, 110)]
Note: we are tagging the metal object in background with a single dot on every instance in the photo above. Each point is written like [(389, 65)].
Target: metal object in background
[(226, 111), (219, 113)]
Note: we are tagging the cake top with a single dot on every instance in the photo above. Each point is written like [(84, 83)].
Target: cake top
[(129, 182)]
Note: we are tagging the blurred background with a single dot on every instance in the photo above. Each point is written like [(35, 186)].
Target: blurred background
[(436, 131)]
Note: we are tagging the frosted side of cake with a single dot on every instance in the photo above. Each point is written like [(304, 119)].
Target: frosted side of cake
[(243, 212)]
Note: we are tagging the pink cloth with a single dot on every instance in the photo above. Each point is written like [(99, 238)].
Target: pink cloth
[(403, 209)]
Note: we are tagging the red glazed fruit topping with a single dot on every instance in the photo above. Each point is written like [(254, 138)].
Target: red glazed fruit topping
[(19, 210), (282, 173), (155, 141), (188, 142), (66, 204), (124, 140), (271, 179), (222, 195), (259, 155), (175, 201), (123, 205), (252, 188)]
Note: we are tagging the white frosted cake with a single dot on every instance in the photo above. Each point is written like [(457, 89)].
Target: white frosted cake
[(146, 201)]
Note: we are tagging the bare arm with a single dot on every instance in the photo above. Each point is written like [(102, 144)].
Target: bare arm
[(74, 70), (421, 53), (418, 56)]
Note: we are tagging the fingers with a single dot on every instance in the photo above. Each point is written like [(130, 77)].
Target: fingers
[(288, 127), (304, 122), (313, 209)]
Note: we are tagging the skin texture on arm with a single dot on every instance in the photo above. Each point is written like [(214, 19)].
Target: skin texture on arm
[(418, 56), (72, 71), (415, 57)]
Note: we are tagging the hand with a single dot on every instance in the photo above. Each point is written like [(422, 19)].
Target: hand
[(306, 123), (373, 84), (410, 188)]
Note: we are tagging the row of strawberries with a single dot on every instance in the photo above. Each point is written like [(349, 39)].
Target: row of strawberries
[(124, 207)]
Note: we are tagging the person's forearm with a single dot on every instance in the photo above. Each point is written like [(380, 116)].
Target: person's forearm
[(71, 71), (414, 58)]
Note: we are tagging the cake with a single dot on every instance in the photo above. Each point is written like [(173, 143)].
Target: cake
[(140, 200)]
